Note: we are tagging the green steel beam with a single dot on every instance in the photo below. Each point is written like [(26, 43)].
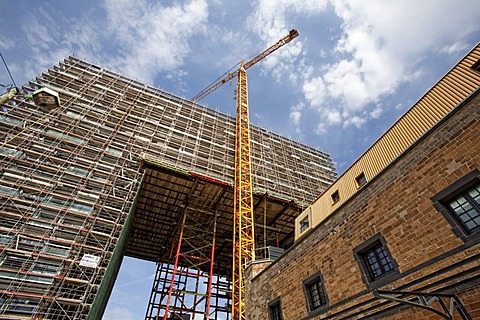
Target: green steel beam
[(106, 286)]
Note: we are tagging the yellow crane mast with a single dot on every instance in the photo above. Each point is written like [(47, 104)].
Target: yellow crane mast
[(243, 223)]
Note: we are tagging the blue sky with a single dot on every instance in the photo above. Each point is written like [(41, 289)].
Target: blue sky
[(356, 67)]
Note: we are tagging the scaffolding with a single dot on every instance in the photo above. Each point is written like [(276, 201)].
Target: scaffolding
[(69, 178), (183, 285)]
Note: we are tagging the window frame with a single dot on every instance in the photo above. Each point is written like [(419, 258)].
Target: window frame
[(441, 199), (302, 226), (317, 279), (476, 66), (359, 255), (275, 303), (361, 180), (335, 197)]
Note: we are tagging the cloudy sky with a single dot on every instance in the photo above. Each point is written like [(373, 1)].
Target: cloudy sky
[(355, 68)]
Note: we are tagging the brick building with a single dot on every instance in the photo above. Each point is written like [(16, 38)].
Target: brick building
[(397, 236)]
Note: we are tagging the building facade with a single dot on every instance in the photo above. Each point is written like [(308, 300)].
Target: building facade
[(397, 236), (73, 177)]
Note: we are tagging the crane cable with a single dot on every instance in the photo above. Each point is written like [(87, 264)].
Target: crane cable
[(8, 70), (255, 175), (220, 77), (25, 96)]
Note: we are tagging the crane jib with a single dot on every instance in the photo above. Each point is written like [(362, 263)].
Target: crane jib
[(289, 37)]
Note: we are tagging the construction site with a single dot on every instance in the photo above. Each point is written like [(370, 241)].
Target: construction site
[(241, 222), (117, 168)]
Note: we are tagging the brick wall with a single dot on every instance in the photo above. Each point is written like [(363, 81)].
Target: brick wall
[(397, 204)]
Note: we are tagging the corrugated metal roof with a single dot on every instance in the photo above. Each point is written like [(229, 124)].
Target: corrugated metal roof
[(461, 81)]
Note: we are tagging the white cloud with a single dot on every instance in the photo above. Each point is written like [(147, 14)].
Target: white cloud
[(227, 46), (376, 113), (147, 278), (454, 48), (296, 114), (380, 47), (148, 39), (314, 91), (154, 38), (320, 129), (346, 82), (118, 313), (386, 39), (270, 16), (41, 36), (51, 39), (83, 38), (6, 43), (258, 116), (271, 20), (44, 61), (356, 121), (333, 117)]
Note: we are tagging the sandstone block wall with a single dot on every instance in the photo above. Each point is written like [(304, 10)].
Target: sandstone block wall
[(398, 205)]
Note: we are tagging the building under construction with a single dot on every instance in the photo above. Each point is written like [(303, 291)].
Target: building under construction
[(122, 168)]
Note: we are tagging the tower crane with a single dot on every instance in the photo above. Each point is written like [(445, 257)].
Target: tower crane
[(243, 223)]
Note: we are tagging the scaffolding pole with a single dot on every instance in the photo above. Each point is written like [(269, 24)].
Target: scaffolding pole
[(69, 175), (183, 287)]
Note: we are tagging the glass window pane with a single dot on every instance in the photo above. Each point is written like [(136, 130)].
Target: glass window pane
[(275, 312), (378, 261), (470, 224), (466, 208), (316, 294), (475, 194)]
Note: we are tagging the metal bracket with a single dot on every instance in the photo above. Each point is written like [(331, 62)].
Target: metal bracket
[(425, 300)]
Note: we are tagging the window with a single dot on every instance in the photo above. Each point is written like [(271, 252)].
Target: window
[(375, 261), (46, 266), (5, 239), (335, 197), (315, 293), (460, 205), (81, 207), (275, 310), (56, 202), (56, 249), (360, 180), (476, 66), (19, 305), (17, 262), (304, 224), (44, 214), (466, 208)]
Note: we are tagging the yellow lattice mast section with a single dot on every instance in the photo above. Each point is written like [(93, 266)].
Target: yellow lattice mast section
[(243, 222)]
